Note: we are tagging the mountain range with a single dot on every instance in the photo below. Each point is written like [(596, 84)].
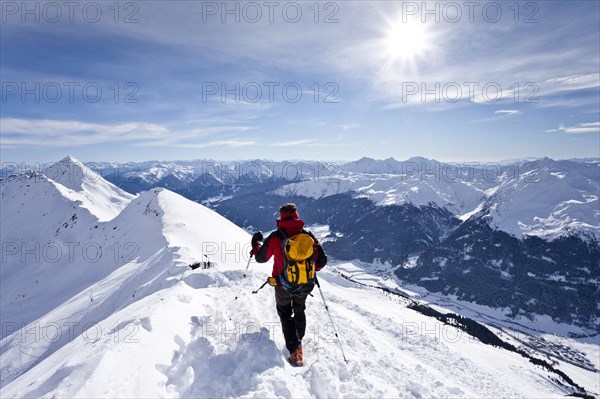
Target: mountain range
[(521, 235)]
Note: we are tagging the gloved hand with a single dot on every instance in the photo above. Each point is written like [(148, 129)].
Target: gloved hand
[(257, 239)]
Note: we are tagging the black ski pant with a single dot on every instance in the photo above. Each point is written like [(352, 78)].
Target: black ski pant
[(291, 313)]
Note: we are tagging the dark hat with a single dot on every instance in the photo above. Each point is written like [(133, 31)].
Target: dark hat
[(288, 211)]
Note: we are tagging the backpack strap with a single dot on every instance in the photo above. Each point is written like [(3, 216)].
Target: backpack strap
[(282, 234)]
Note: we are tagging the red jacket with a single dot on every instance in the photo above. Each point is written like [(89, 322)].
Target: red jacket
[(272, 246)]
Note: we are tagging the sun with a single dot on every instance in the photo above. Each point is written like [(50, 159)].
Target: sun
[(407, 41)]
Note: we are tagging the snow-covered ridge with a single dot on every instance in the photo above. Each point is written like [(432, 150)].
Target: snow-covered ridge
[(75, 182), (69, 239), (64, 266)]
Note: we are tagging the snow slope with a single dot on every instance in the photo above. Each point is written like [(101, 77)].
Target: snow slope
[(51, 240), (391, 189), (158, 233), (142, 324), (554, 198), (194, 340)]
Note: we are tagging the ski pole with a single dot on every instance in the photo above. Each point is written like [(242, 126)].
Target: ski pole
[(331, 320), (260, 288), (247, 266)]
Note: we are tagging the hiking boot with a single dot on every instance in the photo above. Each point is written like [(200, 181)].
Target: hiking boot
[(295, 358)]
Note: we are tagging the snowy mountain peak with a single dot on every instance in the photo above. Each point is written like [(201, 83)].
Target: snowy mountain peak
[(420, 160), (388, 166), (70, 158), (68, 182), (181, 223), (146, 203), (365, 160), (71, 173), (83, 185), (548, 198), (372, 166)]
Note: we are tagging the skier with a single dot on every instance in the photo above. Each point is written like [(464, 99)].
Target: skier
[(290, 299)]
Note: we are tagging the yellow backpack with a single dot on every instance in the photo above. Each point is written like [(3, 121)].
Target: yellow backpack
[(299, 262)]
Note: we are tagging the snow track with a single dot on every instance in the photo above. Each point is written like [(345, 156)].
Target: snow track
[(180, 342)]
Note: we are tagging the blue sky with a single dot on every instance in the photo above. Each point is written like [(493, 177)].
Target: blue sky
[(374, 79)]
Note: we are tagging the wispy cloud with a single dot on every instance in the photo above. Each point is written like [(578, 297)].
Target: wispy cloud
[(575, 82), (292, 143), (500, 114), (348, 126), (508, 112), (315, 143), (593, 127), (207, 144), (56, 133), (62, 133)]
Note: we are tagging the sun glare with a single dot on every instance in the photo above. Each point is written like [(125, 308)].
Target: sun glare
[(407, 41)]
